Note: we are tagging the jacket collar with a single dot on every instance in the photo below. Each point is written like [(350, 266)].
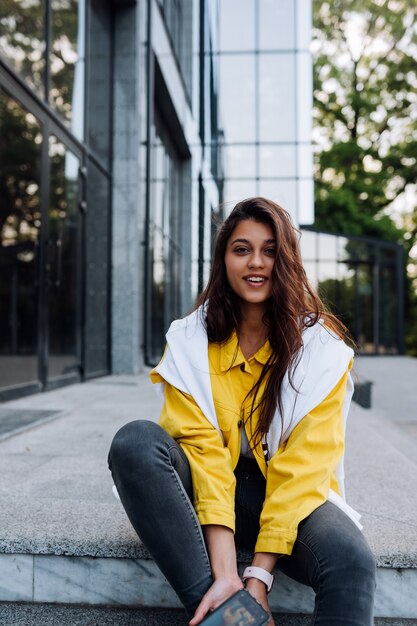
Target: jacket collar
[(232, 356)]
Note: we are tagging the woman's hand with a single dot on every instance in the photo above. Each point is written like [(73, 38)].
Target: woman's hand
[(221, 589), (258, 590)]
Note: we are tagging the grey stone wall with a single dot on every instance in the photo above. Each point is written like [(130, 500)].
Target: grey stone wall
[(126, 226)]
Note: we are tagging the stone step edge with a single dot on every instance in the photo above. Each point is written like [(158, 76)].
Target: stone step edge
[(29, 614), (138, 582)]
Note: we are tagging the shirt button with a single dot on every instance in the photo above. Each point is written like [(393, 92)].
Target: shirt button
[(239, 424)]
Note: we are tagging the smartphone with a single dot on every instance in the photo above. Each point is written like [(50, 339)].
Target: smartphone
[(241, 609)]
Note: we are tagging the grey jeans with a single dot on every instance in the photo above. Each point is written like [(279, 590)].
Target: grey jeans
[(152, 476)]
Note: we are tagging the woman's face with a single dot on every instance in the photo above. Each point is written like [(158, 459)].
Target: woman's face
[(249, 259)]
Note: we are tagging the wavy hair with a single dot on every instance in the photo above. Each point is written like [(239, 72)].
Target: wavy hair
[(293, 306)]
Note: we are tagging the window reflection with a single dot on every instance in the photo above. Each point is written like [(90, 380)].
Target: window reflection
[(165, 245), (327, 247), (281, 191), (237, 35), (240, 161), (276, 24), (67, 62), (22, 39), (20, 222), (277, 161), (237, 88), (276, 97), (62, 260), (356, 278)]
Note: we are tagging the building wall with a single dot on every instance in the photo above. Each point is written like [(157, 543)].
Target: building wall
[(158, 111)]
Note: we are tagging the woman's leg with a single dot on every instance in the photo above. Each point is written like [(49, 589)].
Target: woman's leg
[(332, 556), (152, 476)]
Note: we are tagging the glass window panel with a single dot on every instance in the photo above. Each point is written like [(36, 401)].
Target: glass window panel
[(364, 312), (304, 95), (388, 254), (98, 78), (303, 17), (308, 243), (388, 311), (342, 248), (20, 223), (304, 160), (67, 62), (237, 97), (165, 245), (357, 250), (276, 24), (277, 161), (97, 273), (344, 296), (326, 283), (311, 271), (63, 246), (283, 192), (237, 190), (327, 247), (276, 97), (240, 161), (237, 25), (22, 39), (305, 198)]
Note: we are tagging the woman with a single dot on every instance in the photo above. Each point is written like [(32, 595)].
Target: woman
[(249, 446)]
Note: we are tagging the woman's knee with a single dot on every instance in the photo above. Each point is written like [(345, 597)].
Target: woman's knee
[(133, 443), (352, 560)]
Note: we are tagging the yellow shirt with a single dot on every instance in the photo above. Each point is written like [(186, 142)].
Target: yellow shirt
[(298, 476)]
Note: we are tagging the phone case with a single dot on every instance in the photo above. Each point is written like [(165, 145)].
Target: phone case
[(241, 609)]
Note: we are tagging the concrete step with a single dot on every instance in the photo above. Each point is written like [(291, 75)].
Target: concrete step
[(132, 582), (21, 614)]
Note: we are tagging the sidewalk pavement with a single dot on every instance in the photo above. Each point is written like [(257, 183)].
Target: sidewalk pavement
[(64, 538)]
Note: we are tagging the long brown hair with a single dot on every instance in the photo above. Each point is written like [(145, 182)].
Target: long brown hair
[(293, 306)]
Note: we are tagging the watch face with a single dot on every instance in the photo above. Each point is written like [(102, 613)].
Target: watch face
[(241, 609)]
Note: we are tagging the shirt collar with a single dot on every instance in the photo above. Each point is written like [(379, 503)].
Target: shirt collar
[(231, 354)]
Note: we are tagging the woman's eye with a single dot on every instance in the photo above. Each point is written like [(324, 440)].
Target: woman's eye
[(241, 250), (270, 251)]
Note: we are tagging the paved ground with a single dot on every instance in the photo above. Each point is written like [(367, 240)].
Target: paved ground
[(54, 477), (394, 396)]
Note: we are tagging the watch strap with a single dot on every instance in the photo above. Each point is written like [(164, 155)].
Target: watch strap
[(261, 574)]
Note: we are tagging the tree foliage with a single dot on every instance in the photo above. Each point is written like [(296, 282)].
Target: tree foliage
[(365, 109), (365, 124)]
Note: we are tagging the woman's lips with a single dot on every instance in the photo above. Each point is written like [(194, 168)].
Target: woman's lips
[(255, 281)]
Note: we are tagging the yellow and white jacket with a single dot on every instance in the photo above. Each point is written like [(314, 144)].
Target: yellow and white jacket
[(204, 387)]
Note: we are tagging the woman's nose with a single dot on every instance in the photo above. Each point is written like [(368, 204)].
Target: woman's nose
[(256, 259)]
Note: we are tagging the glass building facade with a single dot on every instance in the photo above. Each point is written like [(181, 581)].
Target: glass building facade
[(128, 128), (362, 281), (104, 208), (55, 135), (265, 82)]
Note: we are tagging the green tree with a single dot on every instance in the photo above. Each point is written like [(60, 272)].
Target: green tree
[(365, 123)]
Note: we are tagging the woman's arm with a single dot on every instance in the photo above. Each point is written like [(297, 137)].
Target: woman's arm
[(210, 462), (222, 553)]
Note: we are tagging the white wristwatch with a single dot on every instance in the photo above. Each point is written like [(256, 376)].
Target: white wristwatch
[(261, 574)]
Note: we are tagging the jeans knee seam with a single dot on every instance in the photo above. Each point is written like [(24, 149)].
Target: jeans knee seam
[(318, 595), (193, 514)]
